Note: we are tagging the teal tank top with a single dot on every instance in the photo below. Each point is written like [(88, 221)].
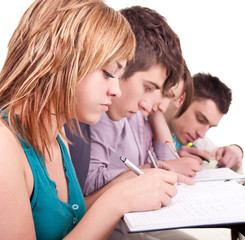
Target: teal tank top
[(177, 143), (53, 218)]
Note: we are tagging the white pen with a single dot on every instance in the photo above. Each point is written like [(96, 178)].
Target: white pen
[(164, 165), (172, 149), (152, 159), (131, 166)]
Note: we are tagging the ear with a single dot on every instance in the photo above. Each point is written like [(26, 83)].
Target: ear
[(178, 102)]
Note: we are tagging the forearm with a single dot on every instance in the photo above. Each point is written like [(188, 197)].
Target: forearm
[(91, 198), (102, 216), (162, 151), (160, 128), (98, 177)]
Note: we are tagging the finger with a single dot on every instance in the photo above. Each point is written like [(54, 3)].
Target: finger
[(233, 161), (168, 193), (220, 164), (169, 177), (225, 159), (163, 165), (171, 191), (197, 168), (200, 160), (218, 154), (186, 180), (194, 153), (192, 174), (166, 200)]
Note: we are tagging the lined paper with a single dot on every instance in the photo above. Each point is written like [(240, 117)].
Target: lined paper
[(202, 204), (217, 174)]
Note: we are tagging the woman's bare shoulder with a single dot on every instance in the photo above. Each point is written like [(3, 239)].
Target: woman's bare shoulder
[(15, 188), (10, 148)]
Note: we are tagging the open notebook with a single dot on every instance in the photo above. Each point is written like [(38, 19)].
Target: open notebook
[(204, 204)]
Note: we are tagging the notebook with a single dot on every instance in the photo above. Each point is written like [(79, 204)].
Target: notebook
[(218, 174), (204, 204)]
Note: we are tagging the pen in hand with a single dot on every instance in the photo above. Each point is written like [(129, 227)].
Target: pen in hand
[(163, 165), (172, 149), (131, 166), (190, 144), (152, 159)]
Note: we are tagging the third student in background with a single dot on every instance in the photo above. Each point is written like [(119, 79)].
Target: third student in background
[(211, 101)]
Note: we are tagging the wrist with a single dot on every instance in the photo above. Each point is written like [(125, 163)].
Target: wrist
[(117, 198)]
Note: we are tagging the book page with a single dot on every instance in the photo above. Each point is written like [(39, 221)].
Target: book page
[(205, 203), (217, 174)]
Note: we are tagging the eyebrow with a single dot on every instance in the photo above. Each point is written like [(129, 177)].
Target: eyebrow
[(119, 65), (154, 84), (171, 91), (206, 120)]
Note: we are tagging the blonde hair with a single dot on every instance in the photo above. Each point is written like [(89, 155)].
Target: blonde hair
[(56, 44)]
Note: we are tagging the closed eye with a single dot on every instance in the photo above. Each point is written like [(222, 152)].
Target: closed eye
[(148, 89), (107, 74)]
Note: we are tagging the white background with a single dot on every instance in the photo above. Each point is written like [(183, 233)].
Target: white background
[(212, 35)]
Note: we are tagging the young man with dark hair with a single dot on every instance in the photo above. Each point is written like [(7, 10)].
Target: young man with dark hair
[(211, 101)]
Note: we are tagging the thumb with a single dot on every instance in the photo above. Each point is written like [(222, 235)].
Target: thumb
[(219, 154)]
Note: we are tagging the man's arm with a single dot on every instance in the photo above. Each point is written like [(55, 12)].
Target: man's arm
[(104, 141), (161, 133)]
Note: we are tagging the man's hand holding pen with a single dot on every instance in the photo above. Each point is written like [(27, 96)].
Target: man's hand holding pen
[(194, 153)]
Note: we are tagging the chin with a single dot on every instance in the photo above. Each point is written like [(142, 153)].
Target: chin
[(91, 119), (183, 142), (95, 120), (144, 114), (113, 116)]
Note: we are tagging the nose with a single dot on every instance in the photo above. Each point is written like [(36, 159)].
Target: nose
[(155, 107), (145, 106), (201, 132), (114, 88), (163, 106)]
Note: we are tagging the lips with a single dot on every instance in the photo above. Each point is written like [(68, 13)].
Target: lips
[(190, 138), (131, 113), (105, 106)]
